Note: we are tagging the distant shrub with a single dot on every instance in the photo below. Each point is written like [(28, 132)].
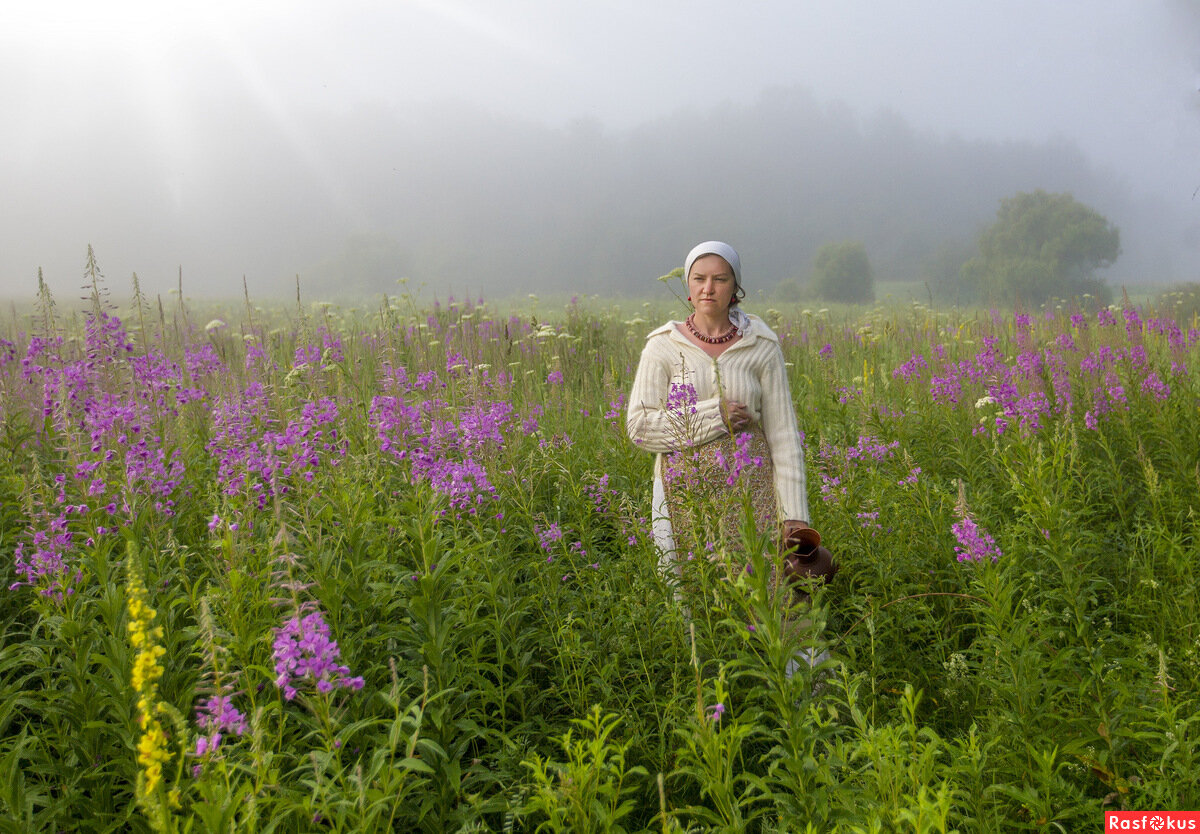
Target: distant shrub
[(842, 272), (789, 289)]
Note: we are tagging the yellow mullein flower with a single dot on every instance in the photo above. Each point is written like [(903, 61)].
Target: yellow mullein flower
[(152, 750), (152, 754), (146, 668)]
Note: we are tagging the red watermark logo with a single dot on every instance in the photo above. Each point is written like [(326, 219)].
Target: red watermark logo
[(1151, 821)]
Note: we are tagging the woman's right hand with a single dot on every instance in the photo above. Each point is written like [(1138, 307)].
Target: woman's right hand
[(736, 414)]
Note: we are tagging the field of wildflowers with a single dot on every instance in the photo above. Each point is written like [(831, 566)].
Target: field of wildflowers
[(391, 569)]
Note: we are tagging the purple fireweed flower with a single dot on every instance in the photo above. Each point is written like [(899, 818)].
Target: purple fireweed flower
[(426, 380), (465, 483), (1029, 364), (1060, 382), (1030, 409), (106, 341), (456, 363), (202, 361), (216, 717), (1155, 387), (831, 487), (946, 389), (395, 423), (548, 535), (1133, 324), (256, 356), (715, 712), (869, 520), (305, 654), (306, 355), (47, 561), (615, 408), (1064, 341), (600, 494), (482, 427), (255, 453), (1175, 337), (1116, 392), (912, 368), (974, 543), (554, 378), (681, 399), (742, 458), (394, 377), (869, 447), (559, 441), (1139, 360), (719, 455)]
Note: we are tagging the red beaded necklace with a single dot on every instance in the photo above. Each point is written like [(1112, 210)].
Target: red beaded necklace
[(712, 340)]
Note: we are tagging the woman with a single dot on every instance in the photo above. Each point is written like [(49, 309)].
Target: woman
[(711, 398)]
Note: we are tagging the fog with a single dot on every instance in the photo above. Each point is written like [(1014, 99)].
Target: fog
[(532, 146)]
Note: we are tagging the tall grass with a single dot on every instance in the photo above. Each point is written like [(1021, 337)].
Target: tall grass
[(408, 552)]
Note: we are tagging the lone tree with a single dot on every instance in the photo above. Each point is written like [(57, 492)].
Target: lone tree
[(842, 272), (1042, 246)]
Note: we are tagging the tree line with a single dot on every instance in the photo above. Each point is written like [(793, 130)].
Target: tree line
[(1040, 246)]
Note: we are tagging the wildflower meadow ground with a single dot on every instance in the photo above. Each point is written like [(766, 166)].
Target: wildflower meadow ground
[(391, 569)]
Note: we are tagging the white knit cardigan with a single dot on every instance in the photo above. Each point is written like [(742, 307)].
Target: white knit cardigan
[(751, 371)]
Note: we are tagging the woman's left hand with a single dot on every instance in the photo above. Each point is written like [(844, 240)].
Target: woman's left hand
[(737, 415)]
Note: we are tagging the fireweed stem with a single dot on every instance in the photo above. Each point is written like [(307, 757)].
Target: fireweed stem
[(890, 603)]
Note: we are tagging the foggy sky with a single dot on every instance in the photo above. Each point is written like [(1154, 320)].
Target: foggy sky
[(260, 139)]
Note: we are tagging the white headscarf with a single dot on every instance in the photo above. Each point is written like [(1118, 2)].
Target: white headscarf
[(715, 247)]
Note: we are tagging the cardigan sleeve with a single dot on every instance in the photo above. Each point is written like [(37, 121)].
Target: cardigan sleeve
[(783, 438), (648, 421)]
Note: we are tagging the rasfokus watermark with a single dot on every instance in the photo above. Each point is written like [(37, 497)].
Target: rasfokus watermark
[(1151, 821)]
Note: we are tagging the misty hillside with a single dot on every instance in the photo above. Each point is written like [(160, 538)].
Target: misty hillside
[(458, 198), (493, 202)]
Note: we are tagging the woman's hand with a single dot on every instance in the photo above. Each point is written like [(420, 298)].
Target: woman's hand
[(736, 414)]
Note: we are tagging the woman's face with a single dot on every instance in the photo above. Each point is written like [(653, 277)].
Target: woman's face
[(711, 285)]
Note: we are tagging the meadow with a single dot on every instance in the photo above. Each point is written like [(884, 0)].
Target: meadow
[(315, 569)]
